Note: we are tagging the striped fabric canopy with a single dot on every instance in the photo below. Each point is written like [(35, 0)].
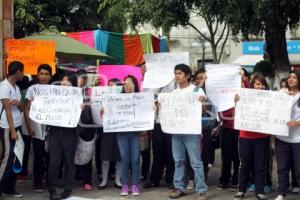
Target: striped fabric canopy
[(124, 48)]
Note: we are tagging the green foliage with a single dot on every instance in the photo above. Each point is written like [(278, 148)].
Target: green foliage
[(68, 15), (114, 14), (257, 16)]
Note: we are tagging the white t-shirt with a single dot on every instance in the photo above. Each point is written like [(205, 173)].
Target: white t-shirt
[(38, 129), (190, 89), (7, 91)]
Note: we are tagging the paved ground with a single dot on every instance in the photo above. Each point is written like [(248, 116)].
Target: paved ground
[(112, 193)]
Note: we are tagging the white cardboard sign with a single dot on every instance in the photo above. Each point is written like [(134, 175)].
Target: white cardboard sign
[(263, 111), (56, 105), (128, 112), (180, 114)]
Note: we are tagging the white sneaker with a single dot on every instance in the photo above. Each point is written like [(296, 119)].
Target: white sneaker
[(279, 197), (295, 190), (190, 185)]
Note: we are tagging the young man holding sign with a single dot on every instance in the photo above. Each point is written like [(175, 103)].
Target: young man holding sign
[(39, 164), (187, 142), (10, 124)]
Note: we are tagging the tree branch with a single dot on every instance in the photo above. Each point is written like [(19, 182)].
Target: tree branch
[(222, 34), (210, 28), (217, 26), (198, 31), (223, 45)]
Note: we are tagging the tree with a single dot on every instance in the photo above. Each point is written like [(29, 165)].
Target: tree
[(270, 18), (66, 15), (167, 14), (115, 14)]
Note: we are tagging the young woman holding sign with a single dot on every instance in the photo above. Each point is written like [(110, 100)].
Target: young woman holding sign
[(287, 148), (253, 152), (129, 145)]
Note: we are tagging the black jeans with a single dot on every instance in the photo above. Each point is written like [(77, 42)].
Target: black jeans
[(97, 151), (162, 156), (229, 154), (62, 144), (40, 163), (146, 158), (253, 155), (285, 154)]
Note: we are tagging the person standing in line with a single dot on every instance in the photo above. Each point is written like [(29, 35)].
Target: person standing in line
[(109, 152), (40, 161), (86, 132), (287, 148), (229, 151), (253, 152), (23, 175), (62, 144), (187, 142), (10, 124), (129, 145), (161, 151)]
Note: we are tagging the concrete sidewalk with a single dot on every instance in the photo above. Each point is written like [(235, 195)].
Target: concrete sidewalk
[(161, 193)]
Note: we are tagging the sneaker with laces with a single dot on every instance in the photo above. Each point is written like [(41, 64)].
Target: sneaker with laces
[(239, 196), (135, 190), (202, 196), (124, 191), (190, 185), (261, 197)]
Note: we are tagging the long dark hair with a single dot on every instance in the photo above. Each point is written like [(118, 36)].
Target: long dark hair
[(72, 78), (261, 78), (135, 83), (297, 73)]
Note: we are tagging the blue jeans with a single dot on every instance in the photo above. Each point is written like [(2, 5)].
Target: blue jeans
[(129, 145), (191, 143)]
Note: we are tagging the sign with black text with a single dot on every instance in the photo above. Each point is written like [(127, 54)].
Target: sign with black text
[(263, 111)]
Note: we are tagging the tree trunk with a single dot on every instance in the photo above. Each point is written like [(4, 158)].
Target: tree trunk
[(214, 53), (276, 48)]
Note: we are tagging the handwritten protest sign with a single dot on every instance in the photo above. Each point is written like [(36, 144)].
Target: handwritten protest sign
[(56, 105), (263, 111), (180, 114), (108, 72), (96, 100), (160, 68), (128, 112), (84, 151), (222, 85), (37, 128), (19, 148), (31, 53)]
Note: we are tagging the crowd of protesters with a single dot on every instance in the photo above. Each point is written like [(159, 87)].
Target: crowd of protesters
[(183, 160)]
